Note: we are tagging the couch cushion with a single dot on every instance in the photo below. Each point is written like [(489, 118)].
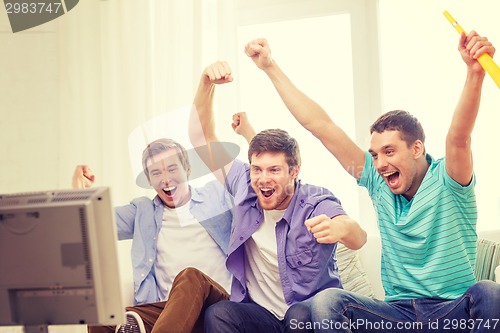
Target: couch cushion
[(352, 273), (487, 259)]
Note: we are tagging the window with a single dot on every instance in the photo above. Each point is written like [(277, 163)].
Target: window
[(322, 46)]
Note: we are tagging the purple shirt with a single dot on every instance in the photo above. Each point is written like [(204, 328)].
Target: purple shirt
[(305, 266)]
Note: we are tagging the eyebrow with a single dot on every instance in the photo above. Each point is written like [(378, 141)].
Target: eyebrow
[(269, 167), (382, 148), (166, 167)]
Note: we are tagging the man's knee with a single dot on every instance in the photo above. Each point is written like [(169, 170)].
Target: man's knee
[(190, 272), (298, 318), (218, 312), (190, 276), (333, 299), (485, 290), (300, 312)]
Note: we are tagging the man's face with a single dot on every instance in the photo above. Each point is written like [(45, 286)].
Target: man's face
[(395, 162), (272, 180), (169, 178)]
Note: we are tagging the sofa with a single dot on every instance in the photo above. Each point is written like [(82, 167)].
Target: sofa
[(359, 270)]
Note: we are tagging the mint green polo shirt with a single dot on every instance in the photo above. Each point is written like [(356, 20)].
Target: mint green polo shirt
[(429, 242)]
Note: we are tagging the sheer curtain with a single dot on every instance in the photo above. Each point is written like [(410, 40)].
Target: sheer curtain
[(125, 63)]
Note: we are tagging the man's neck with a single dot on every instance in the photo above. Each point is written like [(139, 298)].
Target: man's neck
[(422, 167)]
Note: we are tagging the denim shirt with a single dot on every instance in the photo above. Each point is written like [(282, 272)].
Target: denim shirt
[(141, 221), (305, 266)]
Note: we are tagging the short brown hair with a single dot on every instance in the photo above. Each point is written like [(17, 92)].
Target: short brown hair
[(161, 145), (398, 120), (276, 141)]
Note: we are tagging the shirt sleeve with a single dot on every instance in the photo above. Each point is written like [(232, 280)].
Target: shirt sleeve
[(238, 179), (370, 179), (125, 216), (458, 189), (331, 207)]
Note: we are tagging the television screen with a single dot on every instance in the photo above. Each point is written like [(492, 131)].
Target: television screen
[(58, 259)]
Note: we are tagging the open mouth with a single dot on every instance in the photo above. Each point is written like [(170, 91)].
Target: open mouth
[(170, 190), (266, 191), (391, 177)]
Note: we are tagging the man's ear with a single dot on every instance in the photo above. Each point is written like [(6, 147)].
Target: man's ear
[(418, 148)]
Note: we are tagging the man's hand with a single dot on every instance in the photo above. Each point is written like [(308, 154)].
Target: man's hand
[(241, 125), (83, 177), (260, 52), (340, 228), (218, 73), (325, 229), (472, 46)]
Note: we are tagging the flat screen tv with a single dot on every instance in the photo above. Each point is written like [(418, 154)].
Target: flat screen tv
[(58, 259)]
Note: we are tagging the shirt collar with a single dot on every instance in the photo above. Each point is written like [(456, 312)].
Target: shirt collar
[(196, 195), (429, 159)]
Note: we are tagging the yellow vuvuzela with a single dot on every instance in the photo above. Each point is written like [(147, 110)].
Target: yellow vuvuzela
[(485, 60)]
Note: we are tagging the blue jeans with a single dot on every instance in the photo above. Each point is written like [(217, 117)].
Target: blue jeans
[(478, 310), (231, 317)]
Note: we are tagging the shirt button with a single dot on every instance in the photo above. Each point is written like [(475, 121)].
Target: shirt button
[(142, 275), (299, 262), (150, 260), (241, 238), (242, 291)]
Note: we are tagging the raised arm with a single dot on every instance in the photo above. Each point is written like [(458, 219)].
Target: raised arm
[(202, 125), (307, 112), (458, 141), (201, 120), (241, 126)]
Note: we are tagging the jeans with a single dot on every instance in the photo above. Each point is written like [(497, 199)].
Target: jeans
[(231, 317), (478, 310)]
